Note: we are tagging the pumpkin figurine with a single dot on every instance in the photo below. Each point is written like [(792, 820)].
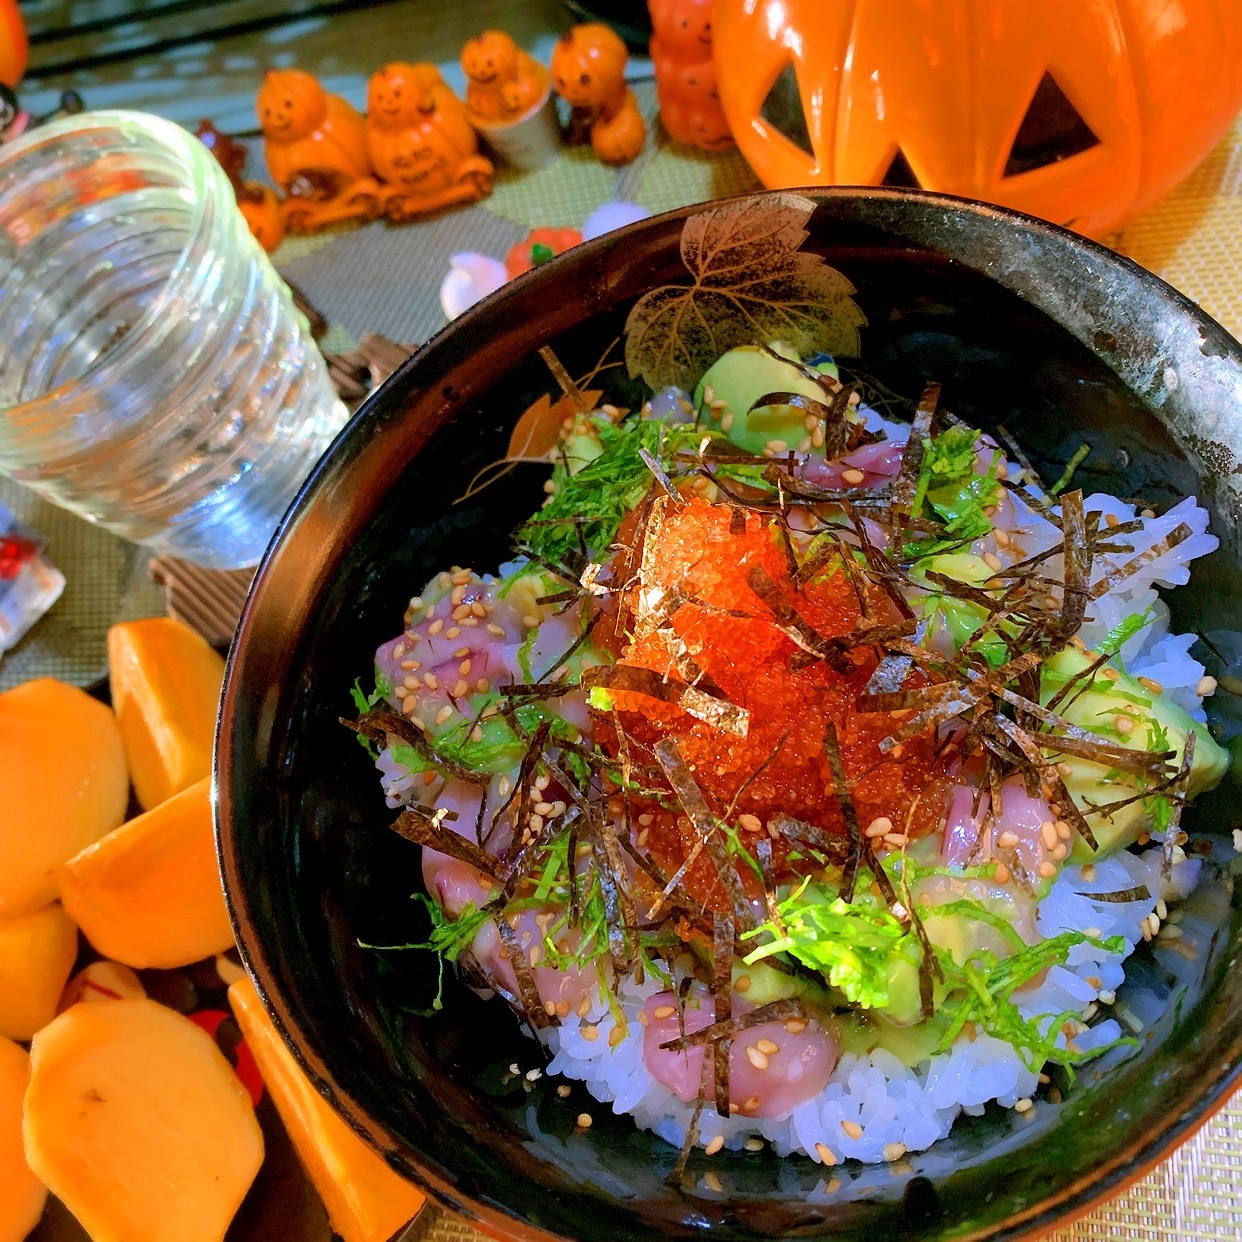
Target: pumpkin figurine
[(538, 247), (316, 148), (681, 51), (588, 71), (421, 143), (1084, 114), (264, 214), (502, 81), (259, 205)]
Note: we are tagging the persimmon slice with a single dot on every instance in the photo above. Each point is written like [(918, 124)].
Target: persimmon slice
[(165, 686), (63, 784), (148, 894), (137, 1123)]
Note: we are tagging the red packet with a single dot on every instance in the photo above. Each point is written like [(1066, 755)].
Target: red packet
[(29, 583)]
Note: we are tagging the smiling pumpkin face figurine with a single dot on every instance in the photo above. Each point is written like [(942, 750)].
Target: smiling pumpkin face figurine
[(588, 71), (681, 51), (421, 143), (502, 81), (316, 150)]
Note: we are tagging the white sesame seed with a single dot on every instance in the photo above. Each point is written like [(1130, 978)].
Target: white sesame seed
[(852, 477), (663, 1011), (754, 1144), (894, 1151), (1124, 725), (714, 1145), (1207, 686), (852, 1128), (444, 713), (1024, 1105), (590, 1033), (825, 1154), (991, 560), (712, 1182), (879, 826), (584, 1121), (776, 446), (767, 1047), (757, 1058)]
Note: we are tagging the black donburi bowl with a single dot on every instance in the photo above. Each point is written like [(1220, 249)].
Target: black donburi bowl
[(1023, 323)]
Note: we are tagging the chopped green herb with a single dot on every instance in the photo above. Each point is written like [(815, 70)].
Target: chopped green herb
[(1080, 455)]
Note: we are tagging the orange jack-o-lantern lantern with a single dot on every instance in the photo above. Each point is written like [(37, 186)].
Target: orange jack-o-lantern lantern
[(1080, 111)]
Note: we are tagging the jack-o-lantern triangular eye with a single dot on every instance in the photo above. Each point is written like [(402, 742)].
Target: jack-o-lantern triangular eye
[(782, 109), (1052, 130), (900, 173)]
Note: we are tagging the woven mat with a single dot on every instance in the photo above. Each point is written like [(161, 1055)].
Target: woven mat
[(379, 279)]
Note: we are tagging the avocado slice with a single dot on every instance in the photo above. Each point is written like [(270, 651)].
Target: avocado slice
[(743, 375), (1155, 716)]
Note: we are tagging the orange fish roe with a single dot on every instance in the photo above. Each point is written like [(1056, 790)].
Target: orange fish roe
[(734, 638)]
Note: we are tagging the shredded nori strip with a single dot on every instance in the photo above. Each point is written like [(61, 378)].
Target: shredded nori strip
[(381, 720), (523, 972), (830, 845), (722, 996), (1030, 750), (729, 1028), (1120, 896), (1180, 787), (849, 814), (1077, 558), (423, 829), (906, 486), (691, 798), (793, 626), (1179, 534), (618, 903), (661, 476), (695, 702)]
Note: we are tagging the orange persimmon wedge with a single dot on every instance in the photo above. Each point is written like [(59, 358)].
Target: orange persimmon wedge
[(21, 1193), (63, 784), (165, 686), (366, 1200), (37, 952), (137, 1123), (148, 894)]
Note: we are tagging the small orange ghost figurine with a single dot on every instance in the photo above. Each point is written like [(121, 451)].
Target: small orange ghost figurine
[(681, 50), (421, 143), (316, 149), (588, 71), (502, 81)]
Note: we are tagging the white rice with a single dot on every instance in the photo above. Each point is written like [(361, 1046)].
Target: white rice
[(894, 1104)]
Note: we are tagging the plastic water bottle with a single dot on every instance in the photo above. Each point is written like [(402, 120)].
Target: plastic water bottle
[(155, 377)]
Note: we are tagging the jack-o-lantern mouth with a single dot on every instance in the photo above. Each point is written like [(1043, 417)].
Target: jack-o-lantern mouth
[(485, 78)]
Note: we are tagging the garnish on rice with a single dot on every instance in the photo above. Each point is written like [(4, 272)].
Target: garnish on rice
[(795, 742)]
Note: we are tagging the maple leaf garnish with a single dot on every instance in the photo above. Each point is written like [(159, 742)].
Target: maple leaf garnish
[(539, 430), (752, 285)]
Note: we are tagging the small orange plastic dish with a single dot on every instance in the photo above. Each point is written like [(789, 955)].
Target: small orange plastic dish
[(1083, 112)]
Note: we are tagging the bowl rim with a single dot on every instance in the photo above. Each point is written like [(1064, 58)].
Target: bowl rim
[(1081, 1195)]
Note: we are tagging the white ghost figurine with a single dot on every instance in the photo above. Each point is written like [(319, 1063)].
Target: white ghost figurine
[(471, 277), (612, 216)]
